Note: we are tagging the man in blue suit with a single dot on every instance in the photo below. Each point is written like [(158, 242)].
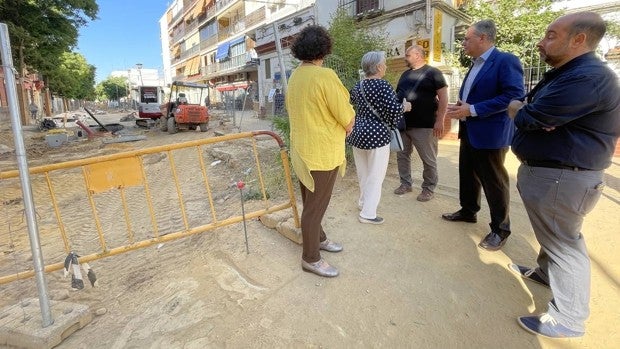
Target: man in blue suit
[(486, 131)]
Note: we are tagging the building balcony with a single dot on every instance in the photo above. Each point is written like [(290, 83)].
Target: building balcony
[(210, 12), (193, 25), (177, 36), (212, 41), (191, 52), (233, 62), (223, 4), (255, 17), (180, 77), (363, 9), (233, 65), (209, 70), (252, 19), (181, 13), (224, 33)]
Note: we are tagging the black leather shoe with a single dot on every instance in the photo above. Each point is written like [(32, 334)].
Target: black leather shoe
[(459, 216), (492, 242)]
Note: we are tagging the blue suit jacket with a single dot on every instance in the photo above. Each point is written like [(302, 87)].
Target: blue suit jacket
[(499, 81)]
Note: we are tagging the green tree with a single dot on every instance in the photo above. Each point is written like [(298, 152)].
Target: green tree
[(112, 88), (42, 31), (74, 77), (520, 24), (613, 29), (351, 40)]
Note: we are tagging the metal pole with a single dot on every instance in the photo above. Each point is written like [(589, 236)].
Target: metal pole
[(24, 176), (276, 36), (240, 186), (429, 13)]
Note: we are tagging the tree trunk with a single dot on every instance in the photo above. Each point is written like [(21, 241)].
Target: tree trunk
[(21, 91)]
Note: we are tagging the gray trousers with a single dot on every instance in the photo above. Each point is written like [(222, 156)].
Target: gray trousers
[(426, 146), (556, 202)]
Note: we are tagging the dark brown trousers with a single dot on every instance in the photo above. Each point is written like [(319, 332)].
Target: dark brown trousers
[(314, 207)]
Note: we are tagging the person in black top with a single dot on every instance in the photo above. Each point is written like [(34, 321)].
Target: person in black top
[(425, 87), (566, 135)]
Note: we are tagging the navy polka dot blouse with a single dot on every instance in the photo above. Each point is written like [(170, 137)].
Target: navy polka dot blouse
[(368, 131)]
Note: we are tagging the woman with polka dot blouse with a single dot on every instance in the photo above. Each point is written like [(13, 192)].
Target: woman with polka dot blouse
[(370, 137)]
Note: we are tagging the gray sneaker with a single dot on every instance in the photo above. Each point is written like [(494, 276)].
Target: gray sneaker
[(376, 220)]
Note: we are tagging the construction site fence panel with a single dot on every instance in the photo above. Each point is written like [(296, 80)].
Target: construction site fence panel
[(107, 205)]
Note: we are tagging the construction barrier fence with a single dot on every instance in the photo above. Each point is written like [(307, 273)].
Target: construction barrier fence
[(103, 206)]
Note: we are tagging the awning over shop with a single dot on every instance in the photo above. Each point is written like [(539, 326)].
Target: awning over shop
[(232, 87), (223, 50)]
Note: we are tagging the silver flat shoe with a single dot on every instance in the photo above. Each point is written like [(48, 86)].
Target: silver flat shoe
[(321, 268), (330, 246)]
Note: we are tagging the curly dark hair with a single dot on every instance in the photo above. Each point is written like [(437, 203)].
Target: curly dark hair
[(312, 42)]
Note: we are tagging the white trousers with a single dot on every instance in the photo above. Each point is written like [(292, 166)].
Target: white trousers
[(371, 166)]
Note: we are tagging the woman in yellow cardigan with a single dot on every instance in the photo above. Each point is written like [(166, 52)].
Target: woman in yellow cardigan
[(320, 118)]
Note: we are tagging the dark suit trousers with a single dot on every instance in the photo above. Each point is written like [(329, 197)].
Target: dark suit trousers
[(314, 207), (484, 169)]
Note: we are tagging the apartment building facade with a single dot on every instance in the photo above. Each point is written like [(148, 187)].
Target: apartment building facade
[(212, 41), (231, 44)]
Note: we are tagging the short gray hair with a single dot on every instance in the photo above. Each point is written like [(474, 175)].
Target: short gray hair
[(486, 27), (419, 49), (371, 61)]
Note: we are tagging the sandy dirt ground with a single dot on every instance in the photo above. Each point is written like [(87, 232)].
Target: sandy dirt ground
[(414, 282)]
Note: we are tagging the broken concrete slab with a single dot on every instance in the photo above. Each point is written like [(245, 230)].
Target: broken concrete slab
[(21, 324), (271, 220), (289, 231)]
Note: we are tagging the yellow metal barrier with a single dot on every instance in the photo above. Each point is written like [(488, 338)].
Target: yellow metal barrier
[(146, 186)]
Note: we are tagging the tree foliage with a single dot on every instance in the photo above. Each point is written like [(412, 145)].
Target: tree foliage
[(613, 29), (520, 24), (350, 42), (73, 77), (112, 88), (43, 31)]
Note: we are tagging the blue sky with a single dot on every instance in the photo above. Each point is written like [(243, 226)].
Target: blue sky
[(125, 33)]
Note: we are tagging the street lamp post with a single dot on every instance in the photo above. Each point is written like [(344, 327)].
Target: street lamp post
[(129, 99), (139, 99), (139, 66)]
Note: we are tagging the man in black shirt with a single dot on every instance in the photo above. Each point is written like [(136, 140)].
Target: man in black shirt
[(425, 87), (566, 135)]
